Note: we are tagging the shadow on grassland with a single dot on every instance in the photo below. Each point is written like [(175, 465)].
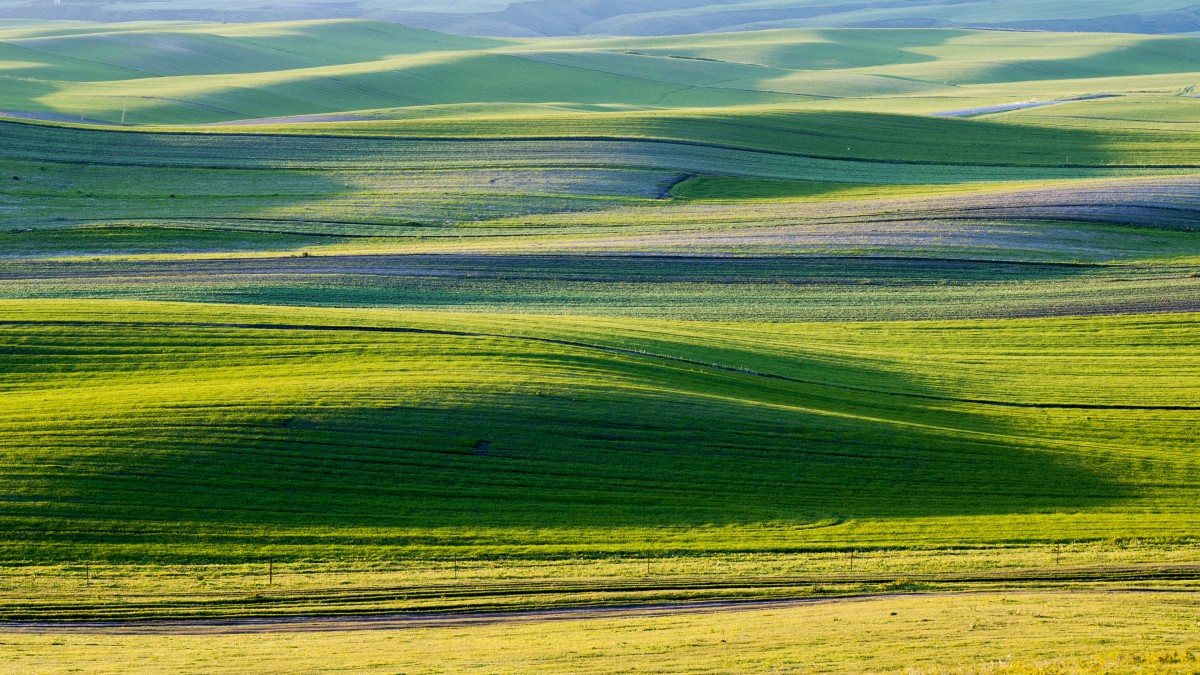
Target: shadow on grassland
[(599, 140), (553, 436)]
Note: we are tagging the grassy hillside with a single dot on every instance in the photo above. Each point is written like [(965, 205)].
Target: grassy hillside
[(551, 17), (180, 73), (162, 430), (590, 321)]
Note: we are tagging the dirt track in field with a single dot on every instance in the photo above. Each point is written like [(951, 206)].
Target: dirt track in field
[(295, 119), (1007, 107), (630, 268), (299, 624), (413, 621), (52, 117)]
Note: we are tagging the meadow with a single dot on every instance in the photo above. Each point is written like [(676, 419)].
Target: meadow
[(993, 633), (483, 427), (802, 313)]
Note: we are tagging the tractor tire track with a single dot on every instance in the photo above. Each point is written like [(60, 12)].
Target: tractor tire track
[(459, 619)]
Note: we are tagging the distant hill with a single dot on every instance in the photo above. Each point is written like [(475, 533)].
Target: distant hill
[(676, 17), (194, 73), (526, 18)]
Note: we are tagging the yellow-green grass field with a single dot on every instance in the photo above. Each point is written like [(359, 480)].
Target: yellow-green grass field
[(1001, 632)]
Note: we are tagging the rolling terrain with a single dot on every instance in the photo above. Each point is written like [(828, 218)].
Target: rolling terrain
[(787, 220), (530, 18), (194, 73), (368, 304), (314, 431)]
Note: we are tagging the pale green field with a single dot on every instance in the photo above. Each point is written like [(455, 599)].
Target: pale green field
[(173, 73)]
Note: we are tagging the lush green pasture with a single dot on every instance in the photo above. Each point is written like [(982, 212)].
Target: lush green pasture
[(339, 193), (137, 431), (822, 134), (481, 324)]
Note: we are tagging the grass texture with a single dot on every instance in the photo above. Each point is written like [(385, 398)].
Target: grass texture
[(1010, 633), (141, 429), (786, 314)]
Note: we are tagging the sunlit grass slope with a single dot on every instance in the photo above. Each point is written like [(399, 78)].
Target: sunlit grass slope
[(136, 430)]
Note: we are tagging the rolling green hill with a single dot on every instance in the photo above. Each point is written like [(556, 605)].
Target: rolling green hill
[(491, 428), (353, 296), (163, 429), (552, 17), (172, 73)]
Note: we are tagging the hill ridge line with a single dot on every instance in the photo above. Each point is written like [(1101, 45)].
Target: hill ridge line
[(552, 138), (402, 330)]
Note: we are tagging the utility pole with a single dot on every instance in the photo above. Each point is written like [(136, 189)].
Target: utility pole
[(270, 571), (87, 574), (852, 552), (123, 111)]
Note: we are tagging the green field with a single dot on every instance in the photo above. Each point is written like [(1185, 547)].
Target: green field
[(416, 322), (314, 432), (173, 73), (1010, 633)]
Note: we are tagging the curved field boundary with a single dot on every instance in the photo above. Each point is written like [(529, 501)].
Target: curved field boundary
[(1009, 107), (592, 347), (563, 138), (341, 622), (60, 118), (408, 621)]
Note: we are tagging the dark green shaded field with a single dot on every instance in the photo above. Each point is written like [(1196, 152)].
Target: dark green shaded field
[(775, 289)]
